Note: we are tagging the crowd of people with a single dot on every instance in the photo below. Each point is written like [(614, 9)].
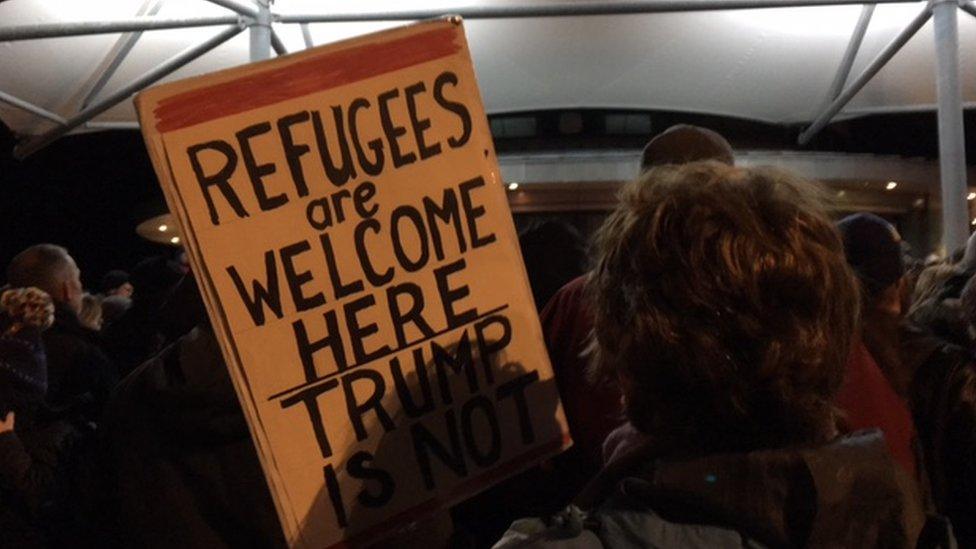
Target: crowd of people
[(737, 369)]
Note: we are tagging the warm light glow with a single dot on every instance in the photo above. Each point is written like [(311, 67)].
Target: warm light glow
[(891, 185), (162, 228), (841, 194), (175, 240), (512, 186), (973, 222), (972, 196)]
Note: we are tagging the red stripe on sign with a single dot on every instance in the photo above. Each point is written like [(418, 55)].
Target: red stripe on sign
[(321, 72)]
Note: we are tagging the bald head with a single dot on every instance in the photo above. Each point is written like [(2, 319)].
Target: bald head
[(682, 144), (50, 268)]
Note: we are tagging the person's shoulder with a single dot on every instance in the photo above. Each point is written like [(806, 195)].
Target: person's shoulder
[(616, 525), (568, 529)]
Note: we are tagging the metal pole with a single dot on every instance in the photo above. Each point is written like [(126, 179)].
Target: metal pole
[(277, 45), (968, 7), (78, 28), (307, 36), (112, 125), (872, 69), (952, 139), (261, 32), (846, 62), (30, 107), (237, 7), (159, 72), (123, 47), (567, 9), (53, 30)]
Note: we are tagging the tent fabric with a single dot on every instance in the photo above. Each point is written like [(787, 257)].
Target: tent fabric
[(771, 65)]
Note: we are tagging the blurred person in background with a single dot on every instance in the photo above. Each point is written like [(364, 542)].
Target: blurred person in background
[(80, 375), (553, 253), (114, 308), (943, 399), (876, 378), (91, 312), (116, 282), (137, 335)]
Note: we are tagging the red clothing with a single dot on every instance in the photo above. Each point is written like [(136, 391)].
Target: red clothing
[(868, 400), (591, 411)]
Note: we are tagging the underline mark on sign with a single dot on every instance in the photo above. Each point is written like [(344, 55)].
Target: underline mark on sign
[(325, 378)]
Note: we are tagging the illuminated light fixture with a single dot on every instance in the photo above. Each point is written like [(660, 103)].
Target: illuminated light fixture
[(919, 202), (841, 194), (512, 186), (175, 240), (162, 228), (891, 185), (971, 196), (973, 222)]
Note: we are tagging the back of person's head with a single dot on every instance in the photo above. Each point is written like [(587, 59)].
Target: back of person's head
[(50, 268), (872, 247), (724, 307), (682, 144), (931, 280), (554, 254), (91, 312), (115, 281), (155, 278), (24, 314)]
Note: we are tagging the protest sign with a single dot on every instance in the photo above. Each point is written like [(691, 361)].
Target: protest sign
[(346, 223)]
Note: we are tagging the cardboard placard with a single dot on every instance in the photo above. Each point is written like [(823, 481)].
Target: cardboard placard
[(346, 222)]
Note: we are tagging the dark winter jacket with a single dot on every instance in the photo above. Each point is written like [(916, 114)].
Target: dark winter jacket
[(181, 469), (35, 457), (944, 405), (845, 494), (80, 376)]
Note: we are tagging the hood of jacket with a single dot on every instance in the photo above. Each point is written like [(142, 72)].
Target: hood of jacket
[(848, 493)]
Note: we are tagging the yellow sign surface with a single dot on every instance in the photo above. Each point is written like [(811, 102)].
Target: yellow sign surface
[(346, 223)]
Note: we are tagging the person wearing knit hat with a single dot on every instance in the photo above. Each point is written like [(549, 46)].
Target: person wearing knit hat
[(33, 448), (873, 250), (682, 143), (24, 314), (875, 382)]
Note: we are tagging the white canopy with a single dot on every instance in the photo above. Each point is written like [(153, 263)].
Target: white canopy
[(778, 65), (772, 65)]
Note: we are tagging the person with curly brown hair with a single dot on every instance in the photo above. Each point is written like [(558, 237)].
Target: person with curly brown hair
[(33, 448), (725, 309)]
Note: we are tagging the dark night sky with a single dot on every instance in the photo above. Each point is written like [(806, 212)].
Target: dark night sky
[(85, 192), (88, 192)]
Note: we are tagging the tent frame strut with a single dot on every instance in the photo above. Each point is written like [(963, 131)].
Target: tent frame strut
[(952, 139), (132, 24), (561, 9), (866, 75), (124, 46), (27, 106), (853, 46), (150, 77)]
